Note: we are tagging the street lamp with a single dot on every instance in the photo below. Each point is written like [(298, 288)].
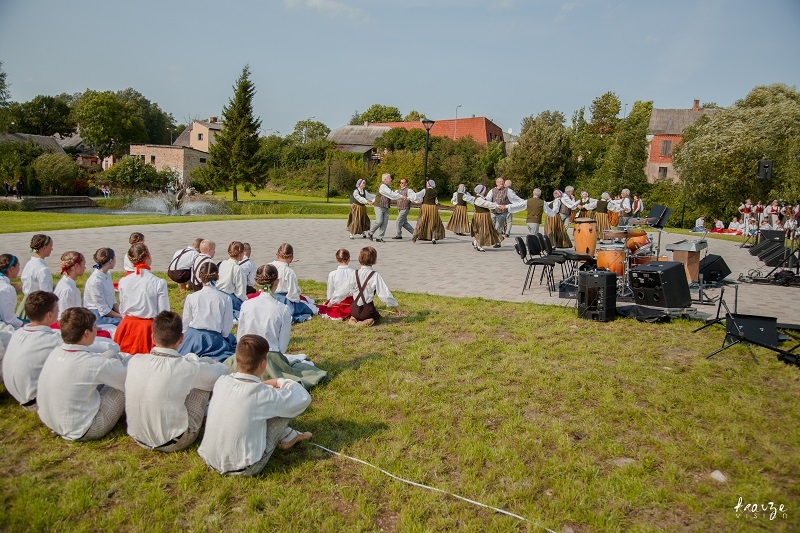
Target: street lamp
[(428, 123), (307, 122), (455, 124), (328, 194)]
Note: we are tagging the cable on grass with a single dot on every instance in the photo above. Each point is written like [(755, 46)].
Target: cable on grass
[(473, 502)]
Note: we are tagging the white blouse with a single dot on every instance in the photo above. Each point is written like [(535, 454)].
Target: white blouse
[(98, 293), (266, 316), (287, 281), (36, 276), (69, 295), (208, 308), (8, 303), (339, 283), (232, 279), (142, 295)]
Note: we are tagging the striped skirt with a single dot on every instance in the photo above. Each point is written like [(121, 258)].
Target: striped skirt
[(482, 230), (357, 220), (429, 226), (555, 229), (602, 224), (459, 222)]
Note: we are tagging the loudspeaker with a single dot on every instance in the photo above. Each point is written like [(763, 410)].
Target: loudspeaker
[(763, 329), (771, 252), (764, 169), (661, 284), (597, 295), (764, 247), (776, 235), (778, 256), (713, 268)]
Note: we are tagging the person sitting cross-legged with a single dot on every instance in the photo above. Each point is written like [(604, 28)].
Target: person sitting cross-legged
[(166, 393), (248, 418)]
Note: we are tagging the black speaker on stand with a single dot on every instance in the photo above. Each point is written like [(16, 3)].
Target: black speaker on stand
[(597, 295), (714, 268), (661, 284)]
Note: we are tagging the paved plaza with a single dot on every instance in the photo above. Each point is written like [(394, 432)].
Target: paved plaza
[(450, 267)]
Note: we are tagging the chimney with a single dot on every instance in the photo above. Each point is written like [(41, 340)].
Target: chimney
[(696, 106), (213, 120)]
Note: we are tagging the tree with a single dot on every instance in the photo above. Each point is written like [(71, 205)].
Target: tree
[(623, 166), (541, 157), (377, 113), (109, 123), (5, 95), (157, 123), (44, 115), (235, 158), (132, 173), (414, 116), (490, 159), (718, 158), (605, 110), (55, 172), (308, 130)]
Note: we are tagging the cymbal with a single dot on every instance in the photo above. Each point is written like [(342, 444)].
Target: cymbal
[(642, 221), (623, 234)]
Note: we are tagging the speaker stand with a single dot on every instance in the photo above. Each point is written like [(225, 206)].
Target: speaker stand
[(717, 319), (739, 339)]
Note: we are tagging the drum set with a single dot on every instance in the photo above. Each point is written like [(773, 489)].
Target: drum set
[(618, 251)]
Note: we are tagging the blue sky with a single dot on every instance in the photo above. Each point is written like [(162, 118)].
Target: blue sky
[(503, 59)]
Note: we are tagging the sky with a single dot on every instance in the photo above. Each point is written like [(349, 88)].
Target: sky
[(326, 59)]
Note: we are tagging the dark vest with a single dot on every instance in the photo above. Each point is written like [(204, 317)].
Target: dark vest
[(499, 196), (535, 210), (563, 209), (381, 200), (403, 203), (460, 199), (430, 197), (479, 209), (602, 206)]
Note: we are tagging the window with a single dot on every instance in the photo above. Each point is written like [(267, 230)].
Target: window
[(662, 172), (202, 159), (142, 157), (666, 148), (152, 160), (199, 136)]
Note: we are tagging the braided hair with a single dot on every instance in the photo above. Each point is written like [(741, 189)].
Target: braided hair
[(138, 252), (266, 276), (207, 272)]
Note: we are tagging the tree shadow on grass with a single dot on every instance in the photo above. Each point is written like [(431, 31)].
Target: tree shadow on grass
[(416, 317), (334, 368)]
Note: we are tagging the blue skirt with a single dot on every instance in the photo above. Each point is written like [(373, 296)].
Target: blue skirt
[(300, 311), (105, 319), (206, 343)]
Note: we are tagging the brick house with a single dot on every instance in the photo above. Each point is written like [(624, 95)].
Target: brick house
[(188, 152), (664, 132), (481, 129)]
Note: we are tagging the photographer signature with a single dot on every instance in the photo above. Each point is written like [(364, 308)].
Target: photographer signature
[(755, 510)]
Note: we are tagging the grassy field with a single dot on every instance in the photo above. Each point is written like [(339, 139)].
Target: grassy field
[(565, 422), (275, 196)]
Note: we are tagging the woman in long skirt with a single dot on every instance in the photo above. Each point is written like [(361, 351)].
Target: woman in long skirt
[(429, 226), (601, 214), (459, 222), (554, 227), (357, 220), (482, 229)]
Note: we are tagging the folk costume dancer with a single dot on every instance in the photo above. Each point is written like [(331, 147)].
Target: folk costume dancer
[(264, 315), (403, 208), (383, 199), (357, 220), (569, 204), (429, 226), (73, 265), (180, 267), (459, 222), (36, 275), (9, 269), (99, 295), (249, 268), (141, 297), (601, 214), (534, 207), (482, 229), (366, 283), (625, 207), (499, 196), (288, 290), (586, 206), (758, 210), (512, 197), (133, 239), (637, 206), (339, 298), (554, 227), (207, 250), (232, 279), (208, 319)]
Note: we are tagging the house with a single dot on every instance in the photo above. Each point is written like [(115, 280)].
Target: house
[(188, 152), (664, 132), (481, 129), (44, 141), (359, 140)]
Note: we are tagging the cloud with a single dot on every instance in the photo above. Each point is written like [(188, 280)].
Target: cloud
[(331, 8)]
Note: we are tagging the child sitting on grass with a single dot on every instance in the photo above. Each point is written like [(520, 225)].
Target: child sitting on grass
[(365, 285), (337, 306)]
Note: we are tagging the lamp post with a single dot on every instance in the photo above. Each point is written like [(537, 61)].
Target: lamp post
[(328, 194), (428, 123), (455, 124), (306, 123)]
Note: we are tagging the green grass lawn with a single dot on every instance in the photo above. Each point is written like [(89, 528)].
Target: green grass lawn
[(566, 422), (275, 196)]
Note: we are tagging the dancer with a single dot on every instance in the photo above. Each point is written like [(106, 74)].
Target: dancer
[(535, 210), (180, 268), (357, 220), (9, 269), (36, 275), (366, 283), (248, 267), (512, 197), (232, 279), (403, 208), (288, 291), (459, 222), (207, 249), (264, 315), (99, 296), (208, 319), (482, 229), (133, 239), (499, 195), (337, 306), (554, 227), (73, 265), (601, 214), (586, 206), (141, 297), (625, 207), (383, 199), (429, 225), (568, 205)]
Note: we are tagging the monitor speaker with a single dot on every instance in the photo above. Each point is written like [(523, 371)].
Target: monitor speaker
[(661, 284), (776, 235), (713, 268), (762, 329), (781, 256), (764, 169), (764, 247), (597, 295)]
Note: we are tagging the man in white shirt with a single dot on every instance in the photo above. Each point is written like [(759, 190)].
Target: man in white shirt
[(29, 348), (166, 394), (180, 268), (382, 201), (81, 394), (248, 418), (626, 207)]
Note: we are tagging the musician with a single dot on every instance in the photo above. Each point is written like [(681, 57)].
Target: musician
[(586, 206), (626, 208)]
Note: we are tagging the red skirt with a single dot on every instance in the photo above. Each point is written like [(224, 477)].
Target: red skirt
[(337, 311), (134, 335)]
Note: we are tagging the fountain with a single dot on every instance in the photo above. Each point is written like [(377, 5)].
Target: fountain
[(176, 202)]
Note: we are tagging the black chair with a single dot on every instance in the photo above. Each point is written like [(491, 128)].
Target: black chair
[(536, 253), (559, 256), (527, 259)]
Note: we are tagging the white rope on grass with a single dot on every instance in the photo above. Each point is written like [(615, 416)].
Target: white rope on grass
[(495, 509)]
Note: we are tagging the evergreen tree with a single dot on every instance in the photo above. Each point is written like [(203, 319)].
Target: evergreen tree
[(235, 159), (623, 166)]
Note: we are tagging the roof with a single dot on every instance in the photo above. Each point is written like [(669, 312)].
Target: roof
[(481, 129), (184, 139), (361, 136), (210, 125), (673, 121), (44, 141)]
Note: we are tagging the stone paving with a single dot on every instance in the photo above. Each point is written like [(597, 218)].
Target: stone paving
[(451, 267)]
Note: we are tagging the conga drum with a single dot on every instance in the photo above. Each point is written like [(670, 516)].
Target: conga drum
[(636, 243), (585, 236), (612, 258)]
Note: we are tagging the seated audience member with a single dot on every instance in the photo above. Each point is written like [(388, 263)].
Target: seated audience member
[(207, 251), (735, 225), (208, 319), (73, 265), (180, 268), (99, 296), (166, 393), (366, 284), (337, 306), (135, 237), (288, 291), (232, 279), (141, 297), (264, 315), (249, 268), (718, 224), (29, 348), (248, 418), (765, 225), (9, 269), (699, 224), (81, 393)]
